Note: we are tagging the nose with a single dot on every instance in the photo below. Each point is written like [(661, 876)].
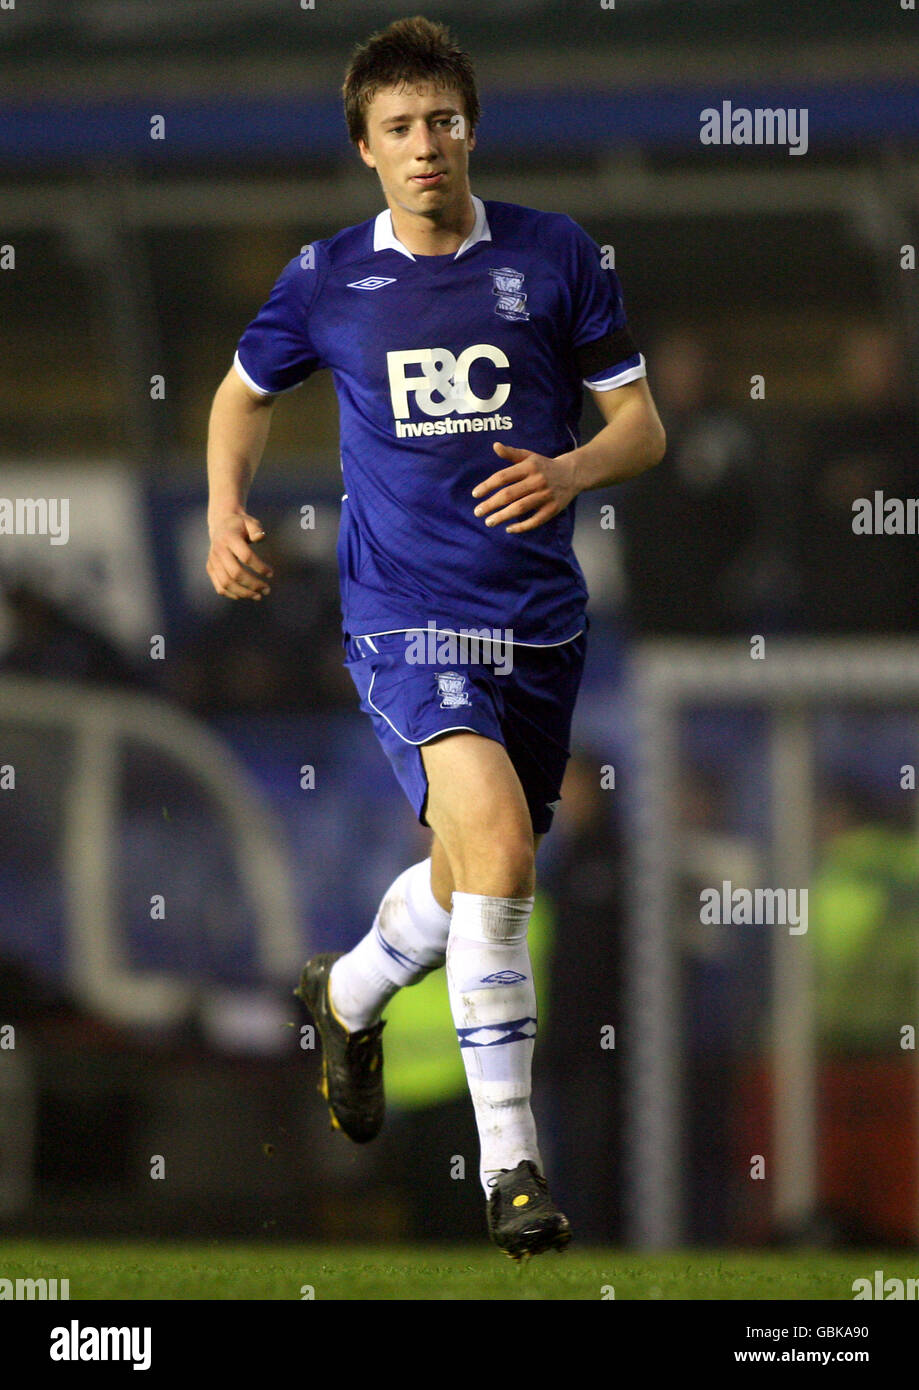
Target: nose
[(424, 145)]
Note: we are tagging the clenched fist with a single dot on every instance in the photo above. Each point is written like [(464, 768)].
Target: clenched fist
[(234, 568)]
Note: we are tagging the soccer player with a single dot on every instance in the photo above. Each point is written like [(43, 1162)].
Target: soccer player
[(459, 333)]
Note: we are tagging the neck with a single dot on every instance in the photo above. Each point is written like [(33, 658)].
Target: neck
[(427, 236)]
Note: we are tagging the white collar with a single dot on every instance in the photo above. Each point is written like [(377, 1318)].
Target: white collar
[(385, 239)]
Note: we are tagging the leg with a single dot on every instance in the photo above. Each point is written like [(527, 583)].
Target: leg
[(478, 811), (442, 884), (441, 875), (479, 815), (408, 938)]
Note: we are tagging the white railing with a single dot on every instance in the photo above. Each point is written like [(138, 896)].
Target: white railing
[(100, 723)]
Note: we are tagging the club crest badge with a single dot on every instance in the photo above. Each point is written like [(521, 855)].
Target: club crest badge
[(451, 687), (507, 284)]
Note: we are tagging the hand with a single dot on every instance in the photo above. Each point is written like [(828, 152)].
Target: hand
[(532, 481), (234, 568)]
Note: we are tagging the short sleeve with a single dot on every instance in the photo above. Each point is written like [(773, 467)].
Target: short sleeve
[(275, 353), (602, 346)]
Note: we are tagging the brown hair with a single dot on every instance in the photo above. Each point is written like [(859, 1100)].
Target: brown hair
[(409, 49)]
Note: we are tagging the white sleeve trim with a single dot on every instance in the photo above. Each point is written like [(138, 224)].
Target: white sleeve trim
[(621, 378), (253, 385), (260, 390)]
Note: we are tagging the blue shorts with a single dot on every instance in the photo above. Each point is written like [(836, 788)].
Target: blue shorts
[(527, 708)]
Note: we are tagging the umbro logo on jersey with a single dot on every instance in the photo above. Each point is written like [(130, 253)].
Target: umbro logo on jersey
[(372, 282)]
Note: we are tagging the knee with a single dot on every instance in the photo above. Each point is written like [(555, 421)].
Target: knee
[(502, 866)]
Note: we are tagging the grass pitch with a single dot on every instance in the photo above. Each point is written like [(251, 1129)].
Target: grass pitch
[(210, 1270)]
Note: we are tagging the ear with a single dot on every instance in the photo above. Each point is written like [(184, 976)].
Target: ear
[(364, 152), (470, 143)]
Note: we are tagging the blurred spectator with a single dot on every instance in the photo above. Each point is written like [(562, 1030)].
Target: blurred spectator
[(863, 910), (690, 523), (584, 879), (280, 656), (864, 921), (852, 582), (45, 640), (720, 967)]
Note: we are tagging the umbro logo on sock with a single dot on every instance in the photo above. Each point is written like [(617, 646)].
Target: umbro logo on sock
[(503, 977)]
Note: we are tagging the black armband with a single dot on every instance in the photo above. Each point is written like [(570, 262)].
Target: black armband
[(605, 352)]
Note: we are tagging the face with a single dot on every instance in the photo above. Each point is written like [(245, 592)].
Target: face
[(412, 143)]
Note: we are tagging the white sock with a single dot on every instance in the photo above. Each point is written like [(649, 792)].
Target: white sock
[(408, 939), (493, 1001)]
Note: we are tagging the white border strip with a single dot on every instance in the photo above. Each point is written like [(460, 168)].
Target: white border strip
[(417, 742), (469, 633), (620, 379), (254, 386)]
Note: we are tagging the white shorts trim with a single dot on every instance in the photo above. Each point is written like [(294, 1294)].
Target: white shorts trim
[(415, 742), (452, 632)]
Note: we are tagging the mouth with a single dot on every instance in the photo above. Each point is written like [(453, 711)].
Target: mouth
[(428, 180)]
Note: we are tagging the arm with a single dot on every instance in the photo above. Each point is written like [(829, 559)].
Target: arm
[(237, 434), (631, 441)]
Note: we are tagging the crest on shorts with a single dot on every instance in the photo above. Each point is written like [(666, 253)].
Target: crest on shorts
[(451, 687), (507, 284)]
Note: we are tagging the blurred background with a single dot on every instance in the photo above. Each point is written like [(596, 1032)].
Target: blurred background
[(190, 801)]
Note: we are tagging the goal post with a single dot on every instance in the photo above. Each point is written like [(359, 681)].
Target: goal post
[(791, 681)]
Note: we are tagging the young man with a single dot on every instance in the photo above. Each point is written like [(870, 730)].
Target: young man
[(446, 322)]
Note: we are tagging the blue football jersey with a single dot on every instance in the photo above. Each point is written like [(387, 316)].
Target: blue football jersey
[(434, 358)]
